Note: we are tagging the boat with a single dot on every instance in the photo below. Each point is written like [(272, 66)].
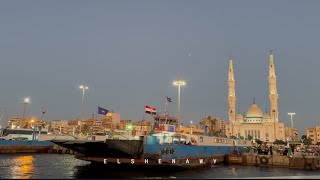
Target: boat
[(14, 141), (165, 148)]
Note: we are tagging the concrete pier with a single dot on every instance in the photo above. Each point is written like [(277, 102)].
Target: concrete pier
[(292, 162), (19, 146)]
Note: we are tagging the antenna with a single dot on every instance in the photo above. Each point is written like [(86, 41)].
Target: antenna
[(2, 117), (165, 111)]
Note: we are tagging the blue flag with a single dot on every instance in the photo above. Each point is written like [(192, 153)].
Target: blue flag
[(169, 99), (102, 111)]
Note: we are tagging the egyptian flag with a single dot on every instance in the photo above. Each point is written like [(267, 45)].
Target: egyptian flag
[(153, 111), (148, 110)]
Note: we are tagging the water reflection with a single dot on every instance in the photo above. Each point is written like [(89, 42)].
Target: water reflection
[(103, 171), (22, 167), (50, 166), (233, 170)]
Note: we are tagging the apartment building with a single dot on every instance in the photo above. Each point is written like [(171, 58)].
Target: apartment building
[(314, 134)]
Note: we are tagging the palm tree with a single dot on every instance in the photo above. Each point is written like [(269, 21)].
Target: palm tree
[(308, 141), (212, 123), (85, 129)]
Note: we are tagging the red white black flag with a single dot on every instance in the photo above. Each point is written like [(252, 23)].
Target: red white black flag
[(153, 111), (148, 109)]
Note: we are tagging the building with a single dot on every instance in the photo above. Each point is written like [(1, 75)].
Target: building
[(110, 121), (255, 124), (123, 124), (215, 126), (192, 129), (59, 126), (314, 134), (14, 122), (142, 127), (112, 117)]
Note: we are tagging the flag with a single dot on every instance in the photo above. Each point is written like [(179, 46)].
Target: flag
[(148, 109), (43, 111), (153, 111), (102, 111), (169, 99)]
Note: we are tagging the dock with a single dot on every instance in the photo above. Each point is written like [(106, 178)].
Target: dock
[(306, 162)]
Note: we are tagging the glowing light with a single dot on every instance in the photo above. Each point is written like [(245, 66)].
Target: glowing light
[(83, 86), (179, 83), (129, 127), (26, 100)]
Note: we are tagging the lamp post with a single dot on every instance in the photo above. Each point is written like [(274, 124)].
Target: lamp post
[(179, 83), (26, 101), (33, 129), (84, 88), (291, 114)]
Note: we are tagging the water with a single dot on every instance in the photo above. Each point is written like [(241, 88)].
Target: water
[(49, 166)]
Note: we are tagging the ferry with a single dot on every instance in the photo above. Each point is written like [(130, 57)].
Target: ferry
[(162, 149), (14, 141)]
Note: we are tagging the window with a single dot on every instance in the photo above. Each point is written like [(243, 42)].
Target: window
[(201, 139)]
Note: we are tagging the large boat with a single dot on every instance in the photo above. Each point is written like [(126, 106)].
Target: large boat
[(163, 148), (14, 141)]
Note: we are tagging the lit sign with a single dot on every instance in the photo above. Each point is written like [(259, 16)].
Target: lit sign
[(171, 128)]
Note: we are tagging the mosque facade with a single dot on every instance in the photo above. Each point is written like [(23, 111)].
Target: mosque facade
[(255, 123)]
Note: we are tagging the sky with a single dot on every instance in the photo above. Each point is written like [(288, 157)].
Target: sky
[(130, 52)]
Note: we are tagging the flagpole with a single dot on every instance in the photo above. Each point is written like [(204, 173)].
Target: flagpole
[(166, 110), (144, 113)]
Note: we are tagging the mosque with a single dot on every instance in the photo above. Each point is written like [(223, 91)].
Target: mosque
[(255, 124)]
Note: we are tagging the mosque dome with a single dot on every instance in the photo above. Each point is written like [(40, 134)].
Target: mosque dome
[(254, 111)]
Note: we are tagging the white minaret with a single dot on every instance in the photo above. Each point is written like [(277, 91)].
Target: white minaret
[(231, 97), (273, 94)]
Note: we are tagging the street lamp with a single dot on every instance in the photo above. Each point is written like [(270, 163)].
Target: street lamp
[(84, 88), (33, 129), (179, 83), (291, 114), (25, 102)]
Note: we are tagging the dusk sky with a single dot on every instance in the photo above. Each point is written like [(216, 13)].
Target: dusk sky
[(129, 53)]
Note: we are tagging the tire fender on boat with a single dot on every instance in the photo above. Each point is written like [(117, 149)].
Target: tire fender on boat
[(264, 160)]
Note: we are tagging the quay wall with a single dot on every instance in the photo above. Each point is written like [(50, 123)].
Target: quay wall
[(292, 162), (16, 146)]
